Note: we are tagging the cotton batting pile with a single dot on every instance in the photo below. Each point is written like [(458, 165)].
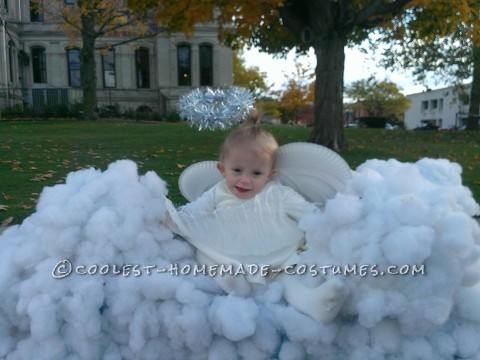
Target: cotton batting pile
[(126, 296)]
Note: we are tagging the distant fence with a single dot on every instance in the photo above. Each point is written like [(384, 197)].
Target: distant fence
[(41, 98)]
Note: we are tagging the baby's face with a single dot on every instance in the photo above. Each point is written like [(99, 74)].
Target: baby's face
[(246, 172)]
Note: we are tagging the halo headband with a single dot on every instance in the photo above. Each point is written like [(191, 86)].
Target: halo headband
[(216, 109)]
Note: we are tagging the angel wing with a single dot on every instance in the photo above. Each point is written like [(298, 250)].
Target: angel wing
[(198, 178), (314, 171)]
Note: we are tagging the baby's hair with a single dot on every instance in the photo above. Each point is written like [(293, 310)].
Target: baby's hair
[(252, 137)]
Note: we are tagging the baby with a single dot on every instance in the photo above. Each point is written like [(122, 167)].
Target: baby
[(248, 218)]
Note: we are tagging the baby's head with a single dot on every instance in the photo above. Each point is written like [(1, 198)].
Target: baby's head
[(247, 160)]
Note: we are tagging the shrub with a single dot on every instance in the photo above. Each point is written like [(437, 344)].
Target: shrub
[(174, 116)]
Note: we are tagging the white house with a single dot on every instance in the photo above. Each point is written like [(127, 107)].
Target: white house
[(446, 108), (40, 65)]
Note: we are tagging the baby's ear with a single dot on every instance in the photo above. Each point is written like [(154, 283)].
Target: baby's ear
[(273, 172), (221, 168)]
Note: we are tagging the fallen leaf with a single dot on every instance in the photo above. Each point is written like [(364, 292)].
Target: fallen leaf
[(43, 177), (180, 166), (7, 197), (3, 207), (26, 207), (7, 221)]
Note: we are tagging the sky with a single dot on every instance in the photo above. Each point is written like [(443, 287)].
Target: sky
[(358, 66)]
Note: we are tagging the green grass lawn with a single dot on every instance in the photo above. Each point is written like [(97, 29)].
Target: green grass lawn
[(35, 154)]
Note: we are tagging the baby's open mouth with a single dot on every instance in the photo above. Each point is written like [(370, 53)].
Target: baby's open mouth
[(241, 190)]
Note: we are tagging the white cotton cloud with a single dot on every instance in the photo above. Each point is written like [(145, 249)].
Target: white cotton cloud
[(233, 317), (390, 216), (291, 351), (408, 245), (457, 233), (222, 349), (466, 337), (467, 303)]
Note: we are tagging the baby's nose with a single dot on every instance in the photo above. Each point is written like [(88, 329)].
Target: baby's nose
[(245, 179)]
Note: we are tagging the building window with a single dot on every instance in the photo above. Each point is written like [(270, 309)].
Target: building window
[(108, 64), (424, 105), (36, 15), (184, 65), (73, 58), (39, 65), (142, 64), (206, 65), (440, 104), (5, 2), (434, 104)]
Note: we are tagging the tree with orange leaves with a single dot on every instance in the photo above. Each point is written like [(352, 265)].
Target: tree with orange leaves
[(298, 91), (276, 26), (89, 20), (248, 77), (327, 26)]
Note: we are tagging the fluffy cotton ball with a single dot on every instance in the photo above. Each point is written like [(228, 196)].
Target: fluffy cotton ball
[(456, 233), (410, 210), (222, 349), (408, 245), (344, 209), (291, 351), (467, 303), (466, 337), (233, 317)]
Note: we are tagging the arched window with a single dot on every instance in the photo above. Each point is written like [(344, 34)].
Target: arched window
[(73, 58), (206, 65), (39, 65), (184, 61), (142, 65), (108, 64)]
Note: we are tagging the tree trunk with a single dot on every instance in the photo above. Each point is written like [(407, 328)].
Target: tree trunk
[(474, 110), (88, 69), (328, 104)]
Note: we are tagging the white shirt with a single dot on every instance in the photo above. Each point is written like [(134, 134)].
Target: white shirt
[(261, 230)]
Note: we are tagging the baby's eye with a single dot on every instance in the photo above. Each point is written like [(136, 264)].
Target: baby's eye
[(257, 173), (237, 170)]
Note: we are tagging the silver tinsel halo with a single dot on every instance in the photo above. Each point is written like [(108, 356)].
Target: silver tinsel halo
[(216, 109)]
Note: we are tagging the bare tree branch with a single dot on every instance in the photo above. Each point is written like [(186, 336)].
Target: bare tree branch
[(103, 47), (378, 8)]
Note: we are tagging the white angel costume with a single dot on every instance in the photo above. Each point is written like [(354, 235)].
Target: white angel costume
[(261, 230)]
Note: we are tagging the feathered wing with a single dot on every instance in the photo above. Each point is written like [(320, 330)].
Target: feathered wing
[(198, 178), (312, 170)]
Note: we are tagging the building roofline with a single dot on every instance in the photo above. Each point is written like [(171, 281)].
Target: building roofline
[(440, 89)]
